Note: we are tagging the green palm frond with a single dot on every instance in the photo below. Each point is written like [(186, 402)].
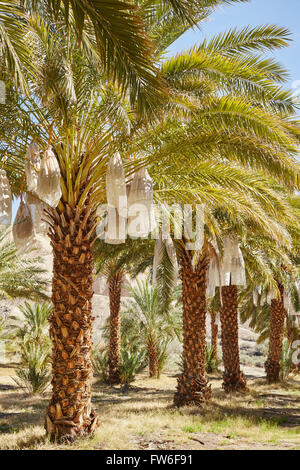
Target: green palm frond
[(124, 48), (260, 38), (14, 49), (20, 276)]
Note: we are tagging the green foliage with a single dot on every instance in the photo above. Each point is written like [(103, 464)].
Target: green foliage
[(133, 361), (34, 325), (30, 339), (21, 276), (34, 373), (143, 321), (212, 364), (286, 362), (100, 360)]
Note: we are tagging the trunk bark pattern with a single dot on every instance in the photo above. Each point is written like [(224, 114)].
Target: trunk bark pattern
[(233, 378), (152, 357), (214, 335), (115, 286), (192, 385), (69, 414), (277, 319)]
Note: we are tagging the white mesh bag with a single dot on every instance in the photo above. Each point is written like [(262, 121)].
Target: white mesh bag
[(115, 230), (141, 218), (234, 265), (37, 212), (48, 186), (213, 277), (5, 200), (23, 229), (32, 166), (116, 185)]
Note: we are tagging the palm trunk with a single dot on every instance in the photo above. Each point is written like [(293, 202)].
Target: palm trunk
[(233, 378), (115, 286), (214, 335), (152, 357), (69, 414), (192, 385), (277, 318)]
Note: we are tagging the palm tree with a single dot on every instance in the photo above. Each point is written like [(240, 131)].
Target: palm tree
[(81, 140), (277, 321), (146, 324), (271, 283), (192, 386), (35, 323), (233, 378), (214, 334), (115, 286), (115, 262)]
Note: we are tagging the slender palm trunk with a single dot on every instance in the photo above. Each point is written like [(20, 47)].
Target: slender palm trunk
[(69, 414), (277, 318), (214, 334), (115, 286), (233, 378), (192, 385), (152, 357)]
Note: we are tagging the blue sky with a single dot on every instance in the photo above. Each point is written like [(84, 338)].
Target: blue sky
[(281, 12)]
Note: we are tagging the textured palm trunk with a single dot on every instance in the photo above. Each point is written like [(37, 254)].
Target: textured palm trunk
[(277, 318), (233, 378), (69, 414), (152, 358), (115, 286), (214, 335), (192, 385)]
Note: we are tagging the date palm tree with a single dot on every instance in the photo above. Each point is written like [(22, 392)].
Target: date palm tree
[(233, 378), (116, 262), (268, 313), (68, 103), (192, 385)]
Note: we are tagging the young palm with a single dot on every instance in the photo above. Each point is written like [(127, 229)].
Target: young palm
[(147, 324), (20, 276)]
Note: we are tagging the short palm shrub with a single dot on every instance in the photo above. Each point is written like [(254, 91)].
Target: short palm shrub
[(31, 338), (212, 364), (147, 326), (34, 373), (100, 361), (286, 362), (133, 361)]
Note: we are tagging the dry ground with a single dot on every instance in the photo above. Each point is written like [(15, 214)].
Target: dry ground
[(268, 417)]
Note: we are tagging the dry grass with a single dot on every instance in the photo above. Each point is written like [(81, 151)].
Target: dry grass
[(267, 417)]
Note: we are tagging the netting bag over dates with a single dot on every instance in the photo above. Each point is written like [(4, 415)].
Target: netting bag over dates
[(141, 217), (23, 229), (48, 185), (32, 166), (116, 185), (233, 263)]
